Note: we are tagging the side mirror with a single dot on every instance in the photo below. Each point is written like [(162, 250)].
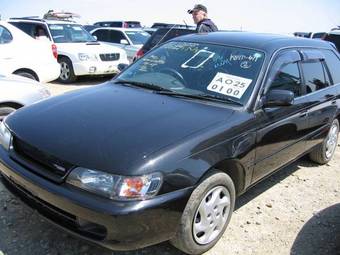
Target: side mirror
[(95, 37), (122, 66), (124, 41), (278, 98)]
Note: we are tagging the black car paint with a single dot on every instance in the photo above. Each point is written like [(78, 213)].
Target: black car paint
[(132, 131)]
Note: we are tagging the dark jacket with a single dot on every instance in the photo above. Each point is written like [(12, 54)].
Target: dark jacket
[(206, 25)]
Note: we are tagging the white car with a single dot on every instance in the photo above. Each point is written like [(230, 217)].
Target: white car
[(79, 53), (17, 91), (22, 55), (129, 39)]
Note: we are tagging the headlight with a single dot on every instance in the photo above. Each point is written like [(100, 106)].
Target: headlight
[(116, 187), (87, 57), (5, 136)]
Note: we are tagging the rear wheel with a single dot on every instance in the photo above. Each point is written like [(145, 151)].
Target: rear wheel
[(206, 214), (66, 70), (27, 75), (324, 152), (4, 111)]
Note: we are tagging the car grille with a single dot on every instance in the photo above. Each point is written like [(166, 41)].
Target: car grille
[(54, 214), (109, 56), (39, 162)]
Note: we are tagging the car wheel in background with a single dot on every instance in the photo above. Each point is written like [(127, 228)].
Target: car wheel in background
[(66, 70), (26, 74), (4, 111), (206, 215), (324, 152)]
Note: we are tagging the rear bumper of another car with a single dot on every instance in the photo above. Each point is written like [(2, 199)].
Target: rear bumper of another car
[(113, 224), (48, 72), (97, 67)]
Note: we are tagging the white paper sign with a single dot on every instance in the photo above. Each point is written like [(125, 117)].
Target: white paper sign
[(229, 85)]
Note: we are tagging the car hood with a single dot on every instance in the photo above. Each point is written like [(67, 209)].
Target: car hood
[(110, 127), (89, 48)]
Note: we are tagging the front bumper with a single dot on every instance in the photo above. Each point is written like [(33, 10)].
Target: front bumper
[(97, 67), (113, 224)]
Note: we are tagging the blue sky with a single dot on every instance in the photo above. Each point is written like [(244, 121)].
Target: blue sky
[(284, 16)]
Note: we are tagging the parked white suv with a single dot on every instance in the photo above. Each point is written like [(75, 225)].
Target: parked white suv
[(78, 52), (22, 55)]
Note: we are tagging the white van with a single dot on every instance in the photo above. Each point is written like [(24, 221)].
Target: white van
[(79, 53), (22, 55)]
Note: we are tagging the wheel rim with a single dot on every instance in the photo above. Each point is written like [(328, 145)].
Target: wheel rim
[(332, 140), (65, 71), (211, 215)]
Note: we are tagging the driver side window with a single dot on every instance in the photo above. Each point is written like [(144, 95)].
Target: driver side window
[(288, 78)]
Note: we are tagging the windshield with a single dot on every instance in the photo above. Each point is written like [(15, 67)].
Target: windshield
[(138, 37), (223, 72), (70, 33)]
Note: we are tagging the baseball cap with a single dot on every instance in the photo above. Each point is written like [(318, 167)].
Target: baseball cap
[(198, 7)]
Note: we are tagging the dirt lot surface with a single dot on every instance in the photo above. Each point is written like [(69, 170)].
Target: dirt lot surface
[(295, 211)]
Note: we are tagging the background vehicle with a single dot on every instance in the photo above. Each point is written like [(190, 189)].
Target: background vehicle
[(215, 114), (79, 53), (161, 35), (17, 91), (22, 55), (128, 39), (313, 35), (333, 37), (125, 24), (169, 25)]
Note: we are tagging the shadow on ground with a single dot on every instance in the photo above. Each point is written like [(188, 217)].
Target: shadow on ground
[(320, 235), (86, 80)]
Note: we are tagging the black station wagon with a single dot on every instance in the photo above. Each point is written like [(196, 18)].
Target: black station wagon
[(162, 151)]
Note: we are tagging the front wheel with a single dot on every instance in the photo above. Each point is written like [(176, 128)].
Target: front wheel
[(206, 215), (66, 70), (324, 152)]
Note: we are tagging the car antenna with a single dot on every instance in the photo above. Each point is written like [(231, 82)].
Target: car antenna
[(172, 27), (186, 25)]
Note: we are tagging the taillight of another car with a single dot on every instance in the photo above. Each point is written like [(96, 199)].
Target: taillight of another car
[(140, 53), (55, 51)]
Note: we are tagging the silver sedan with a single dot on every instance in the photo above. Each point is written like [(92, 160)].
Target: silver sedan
[(17, 92)]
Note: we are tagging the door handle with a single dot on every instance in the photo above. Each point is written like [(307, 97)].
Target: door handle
[(328, 96), (303, 114)]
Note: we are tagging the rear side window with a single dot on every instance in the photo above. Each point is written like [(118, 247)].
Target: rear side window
[(5, 35), (102, 35), (314, 75), (116, 36), (27, 27), (333, 64), (288, 78)]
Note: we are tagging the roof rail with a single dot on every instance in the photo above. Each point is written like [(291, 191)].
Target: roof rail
[(35, 18)]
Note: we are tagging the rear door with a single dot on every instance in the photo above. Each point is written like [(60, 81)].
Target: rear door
[(321, 95)]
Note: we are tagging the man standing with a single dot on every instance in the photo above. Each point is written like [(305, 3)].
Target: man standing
[(200, 16)]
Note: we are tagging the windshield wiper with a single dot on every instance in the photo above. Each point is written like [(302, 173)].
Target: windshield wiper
[(201, 96), (144, 85)]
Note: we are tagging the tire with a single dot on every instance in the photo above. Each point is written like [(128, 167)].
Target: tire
[(66, 71), (27, 75), (204, 214), (4, 111), (324, 152)]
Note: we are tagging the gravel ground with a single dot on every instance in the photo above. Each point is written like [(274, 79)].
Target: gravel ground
[(295, 211)]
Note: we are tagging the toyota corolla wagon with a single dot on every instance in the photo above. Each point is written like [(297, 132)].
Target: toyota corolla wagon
[(163, 151)]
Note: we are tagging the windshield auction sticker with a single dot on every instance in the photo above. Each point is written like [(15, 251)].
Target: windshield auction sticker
[(229, 85)]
